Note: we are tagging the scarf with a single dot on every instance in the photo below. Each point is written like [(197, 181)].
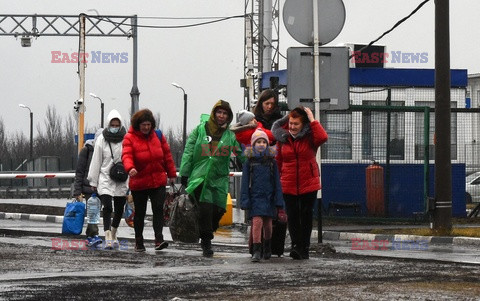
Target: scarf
[(114, 138), (214, 130)]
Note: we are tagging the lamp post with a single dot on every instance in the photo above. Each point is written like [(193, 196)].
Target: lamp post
[(31, 129), (184, 113), (101, 107)]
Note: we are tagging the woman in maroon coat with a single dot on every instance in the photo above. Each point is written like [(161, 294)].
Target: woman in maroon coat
[(148, 161), (299, 136)]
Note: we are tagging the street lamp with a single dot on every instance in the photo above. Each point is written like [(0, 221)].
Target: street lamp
[(184, 113), (31, 129), (101, 107)]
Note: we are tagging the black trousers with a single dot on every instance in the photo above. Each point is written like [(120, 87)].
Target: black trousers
[(300, 218), (209, 217), (119, 203), (157, 198)]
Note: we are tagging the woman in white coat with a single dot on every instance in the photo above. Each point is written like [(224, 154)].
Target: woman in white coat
[(108, 150)]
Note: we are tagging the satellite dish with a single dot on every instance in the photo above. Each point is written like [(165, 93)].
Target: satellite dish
[(298, 19)]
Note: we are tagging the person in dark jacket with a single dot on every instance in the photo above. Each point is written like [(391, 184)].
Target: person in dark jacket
[(261, 192), (267, 110), (81, 186), (149, 163), (299, 136)]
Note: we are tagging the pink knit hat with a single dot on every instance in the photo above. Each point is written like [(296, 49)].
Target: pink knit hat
[(259, 133)]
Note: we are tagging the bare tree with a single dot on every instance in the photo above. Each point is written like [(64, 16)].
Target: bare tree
[(157, 120), (3, 142), (18, 147), (174, 139), (49, 141)]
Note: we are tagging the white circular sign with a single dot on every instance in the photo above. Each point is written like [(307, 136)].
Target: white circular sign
[(298, 19)]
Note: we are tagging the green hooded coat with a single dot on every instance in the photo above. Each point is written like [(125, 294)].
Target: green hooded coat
[(207, 162)]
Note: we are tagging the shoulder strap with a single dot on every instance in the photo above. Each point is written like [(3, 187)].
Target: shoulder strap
[(251, 173), (159, 135), (111, 152)]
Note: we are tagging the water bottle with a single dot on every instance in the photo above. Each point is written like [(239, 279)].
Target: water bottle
[(93, 209)]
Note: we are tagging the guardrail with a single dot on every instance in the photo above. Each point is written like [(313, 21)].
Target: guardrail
[(61, 175), (45, 191)]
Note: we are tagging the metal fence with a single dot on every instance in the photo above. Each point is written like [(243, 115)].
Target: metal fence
[(397, 124), (396, 128)]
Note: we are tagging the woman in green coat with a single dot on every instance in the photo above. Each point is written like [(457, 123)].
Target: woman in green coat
[(205, 168)]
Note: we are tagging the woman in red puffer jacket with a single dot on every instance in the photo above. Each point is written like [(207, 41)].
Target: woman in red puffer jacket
[(299, 136), (148, 161)]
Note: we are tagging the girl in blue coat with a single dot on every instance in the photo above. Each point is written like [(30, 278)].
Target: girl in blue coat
[(261, 192)]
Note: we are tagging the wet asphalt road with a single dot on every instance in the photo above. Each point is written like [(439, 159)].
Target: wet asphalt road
[(31, 270)]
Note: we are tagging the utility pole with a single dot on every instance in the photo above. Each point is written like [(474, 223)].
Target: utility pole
[(134, 93), (261, 52), (81, 74), (442, 213)]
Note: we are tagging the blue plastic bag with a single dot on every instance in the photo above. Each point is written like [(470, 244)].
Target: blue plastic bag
[(73, 218)]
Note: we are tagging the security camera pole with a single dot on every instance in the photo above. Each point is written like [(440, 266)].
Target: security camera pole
[(81, 74)]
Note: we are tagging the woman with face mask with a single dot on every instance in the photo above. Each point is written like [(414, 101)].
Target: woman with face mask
[(107, 151), (299, 136)]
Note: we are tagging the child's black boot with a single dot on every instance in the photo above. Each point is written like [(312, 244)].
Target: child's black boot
[(257, 252)]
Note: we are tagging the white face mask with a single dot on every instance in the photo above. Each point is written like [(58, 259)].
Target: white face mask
[(113, 130)]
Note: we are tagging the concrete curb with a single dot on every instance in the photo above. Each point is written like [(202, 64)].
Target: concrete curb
[(434, 240), (327, 235), (47, 218)]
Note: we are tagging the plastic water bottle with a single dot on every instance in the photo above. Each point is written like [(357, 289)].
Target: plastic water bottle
[(93, 209)]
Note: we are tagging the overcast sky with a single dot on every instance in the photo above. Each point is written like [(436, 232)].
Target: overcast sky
[(206, 60)]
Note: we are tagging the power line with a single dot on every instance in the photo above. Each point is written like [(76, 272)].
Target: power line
[(394, 26), (171, 26)]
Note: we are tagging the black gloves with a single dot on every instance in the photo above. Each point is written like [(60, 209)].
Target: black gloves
[(184, 180)]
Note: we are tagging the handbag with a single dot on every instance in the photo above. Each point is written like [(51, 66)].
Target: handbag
[(117, 171), (168, 203), (184, 225), (73, 218)]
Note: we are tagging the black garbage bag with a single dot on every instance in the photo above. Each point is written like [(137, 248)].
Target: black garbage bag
[(184, 219)]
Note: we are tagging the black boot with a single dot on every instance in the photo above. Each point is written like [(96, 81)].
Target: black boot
[(139, 247), (207, 247), (306, 253), (296, 252), (160, 243), (257, 249), (267, 249)]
